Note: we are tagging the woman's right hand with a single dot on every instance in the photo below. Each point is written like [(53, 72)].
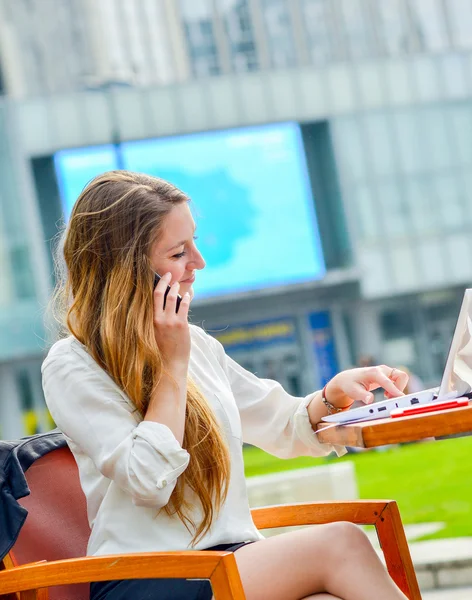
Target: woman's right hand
[(171, 329)]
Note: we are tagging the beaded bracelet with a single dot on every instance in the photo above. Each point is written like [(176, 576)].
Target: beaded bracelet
[(331, 408)]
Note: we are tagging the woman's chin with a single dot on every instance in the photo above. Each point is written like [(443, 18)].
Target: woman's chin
[(186, 287)]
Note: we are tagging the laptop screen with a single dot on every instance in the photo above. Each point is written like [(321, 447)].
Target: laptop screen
[(457, 376)]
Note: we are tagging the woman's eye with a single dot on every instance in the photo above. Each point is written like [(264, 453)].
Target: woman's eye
[(184, 252)]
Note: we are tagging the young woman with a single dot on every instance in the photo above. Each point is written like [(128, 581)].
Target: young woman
[(155, 412)]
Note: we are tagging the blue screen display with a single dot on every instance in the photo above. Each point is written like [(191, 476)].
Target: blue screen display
[(251, 199), (76, 167)]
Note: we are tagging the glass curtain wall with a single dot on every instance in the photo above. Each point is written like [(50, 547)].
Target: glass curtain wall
[(240, 37), (407, 176), (279, 32), (21, 327), (197, 18)]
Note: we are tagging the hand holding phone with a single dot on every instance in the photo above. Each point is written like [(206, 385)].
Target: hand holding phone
[(171, 326), (157, 278)]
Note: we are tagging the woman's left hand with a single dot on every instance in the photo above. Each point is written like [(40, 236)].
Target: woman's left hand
[(357, 384)]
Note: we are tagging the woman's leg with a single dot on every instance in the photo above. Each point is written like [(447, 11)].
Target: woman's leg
[(322, 597), (335, 559)]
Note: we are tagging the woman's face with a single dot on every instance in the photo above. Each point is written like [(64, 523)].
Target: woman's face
[(175, 251)]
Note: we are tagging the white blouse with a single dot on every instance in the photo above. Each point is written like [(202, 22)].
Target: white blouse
[(129, 467)]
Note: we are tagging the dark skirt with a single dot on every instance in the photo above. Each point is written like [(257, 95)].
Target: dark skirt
[(157, 589)]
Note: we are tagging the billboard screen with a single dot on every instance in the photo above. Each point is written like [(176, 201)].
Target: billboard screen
[(76, 167), (251, 199)]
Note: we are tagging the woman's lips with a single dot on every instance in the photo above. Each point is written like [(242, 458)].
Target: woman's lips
[(189, 280)]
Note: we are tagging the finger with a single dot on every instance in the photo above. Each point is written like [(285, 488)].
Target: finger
[(357, 391), (387, 384), (399, 378), (171, 302), (184, 306), (160, 292)]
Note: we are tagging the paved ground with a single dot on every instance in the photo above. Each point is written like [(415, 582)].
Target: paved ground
[(449, 594), (442, 553), (443, 566)]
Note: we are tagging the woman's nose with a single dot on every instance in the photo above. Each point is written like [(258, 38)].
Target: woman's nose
[(198, 261)]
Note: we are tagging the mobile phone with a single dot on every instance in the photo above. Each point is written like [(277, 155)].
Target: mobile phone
[(430, 407), (179, 297)]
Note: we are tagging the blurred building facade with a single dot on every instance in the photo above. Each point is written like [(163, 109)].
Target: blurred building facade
[(383, 93)]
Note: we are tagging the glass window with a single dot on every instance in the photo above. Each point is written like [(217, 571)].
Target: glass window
[(448, 199), (395, 215), (454, 68), (6, 288), (366, 213), (426, 75), (25, 389), (381, 150), (349, 148), (199, 33), (279, 32), (407, 137), (420, 198), (460, 119), (391, 23), (440, 317), (358, 29), (80, 48), (400, 337), (435, 140), (113, 38), (467, 190), (23, 279), (405, 274), (238, 27), (460, 19), (14, 247), (397, 323), (322, 36), (429, 24)]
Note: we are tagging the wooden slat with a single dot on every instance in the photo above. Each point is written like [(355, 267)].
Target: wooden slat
[(225, 580), (362, 512), (188, 564), (369, 434), (41, 594), (397, 555), (7, 563)]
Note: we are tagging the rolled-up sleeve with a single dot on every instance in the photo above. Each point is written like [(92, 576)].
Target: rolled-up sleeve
[(271, 418), (142, 457)]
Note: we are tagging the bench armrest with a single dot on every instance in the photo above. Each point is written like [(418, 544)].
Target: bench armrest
[(383, 514), (219, 567)]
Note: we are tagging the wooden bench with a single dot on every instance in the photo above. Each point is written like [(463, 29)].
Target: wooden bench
[(50, 550)]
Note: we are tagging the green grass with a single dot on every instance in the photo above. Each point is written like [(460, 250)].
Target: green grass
[(431, 481)]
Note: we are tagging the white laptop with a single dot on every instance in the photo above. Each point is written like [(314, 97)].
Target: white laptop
[(456, 380)]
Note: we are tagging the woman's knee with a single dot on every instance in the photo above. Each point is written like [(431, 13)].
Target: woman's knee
[(343, 537)]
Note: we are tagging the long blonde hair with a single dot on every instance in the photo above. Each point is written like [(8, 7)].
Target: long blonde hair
[(104, 297)]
